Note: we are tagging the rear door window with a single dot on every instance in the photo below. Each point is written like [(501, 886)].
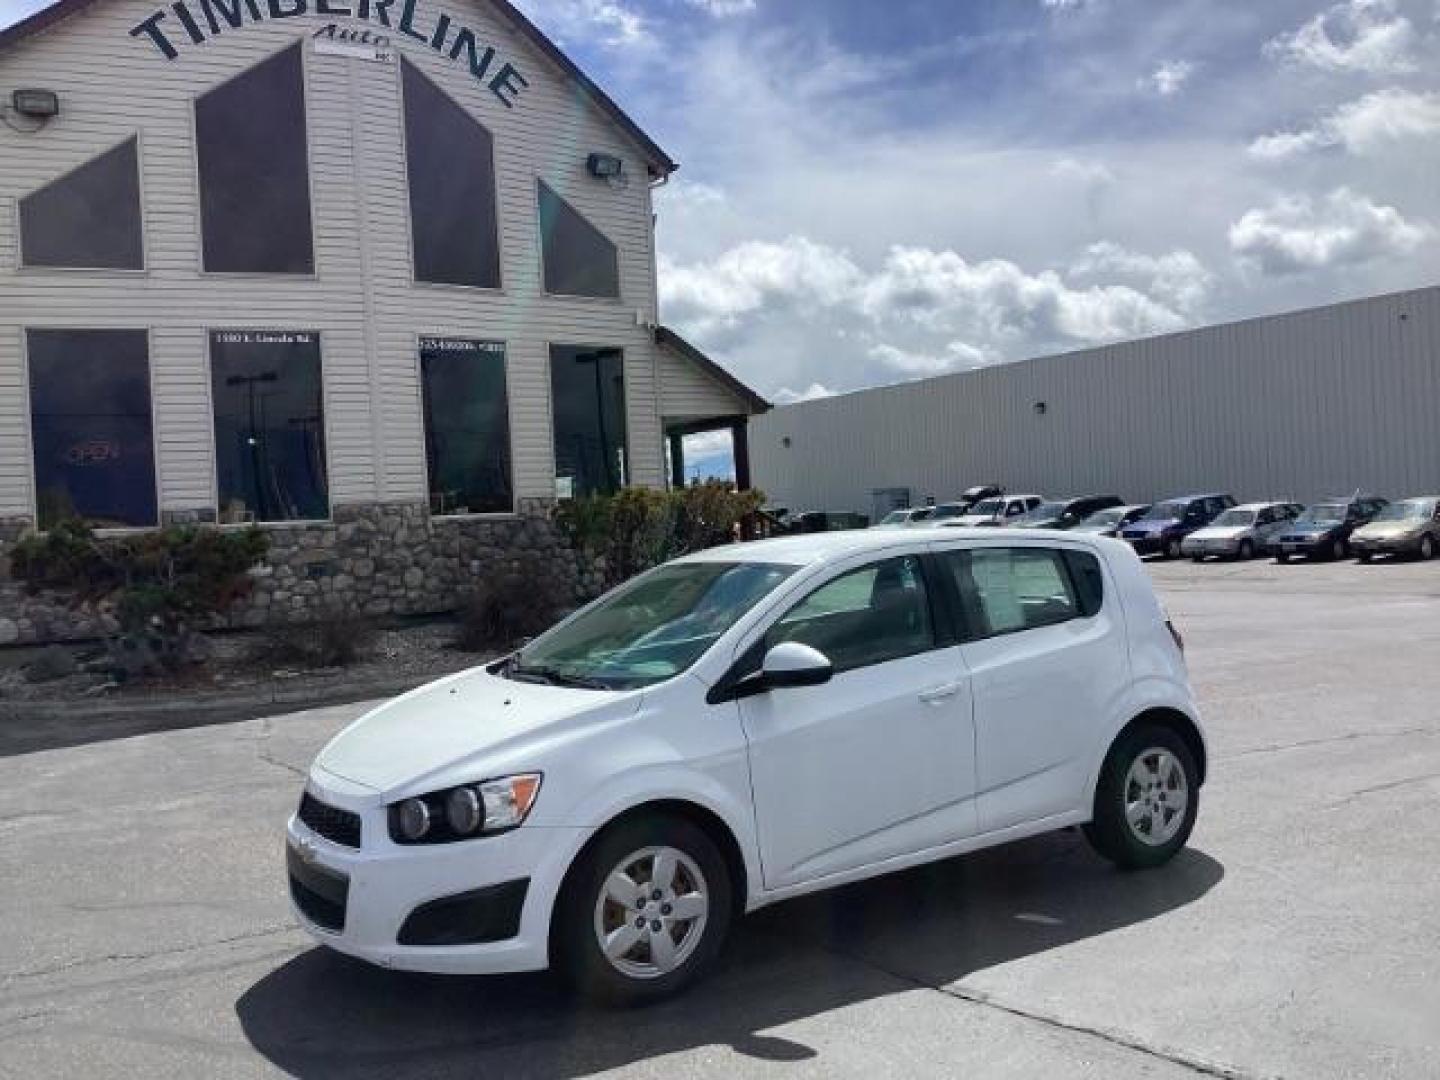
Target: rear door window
[(1009, 590)]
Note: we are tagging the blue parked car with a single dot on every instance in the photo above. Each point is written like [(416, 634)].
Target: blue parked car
[(1162, 528)]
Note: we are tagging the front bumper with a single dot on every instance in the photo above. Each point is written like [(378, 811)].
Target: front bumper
[(1306, 548), (1385, 545), (358, 901), (1192, 546), (1149, 544)]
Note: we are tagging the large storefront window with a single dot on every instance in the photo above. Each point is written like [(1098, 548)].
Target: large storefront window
[(88, 219), (91, 428), (587, 393), (451, 168), (254, 170), (579, 259), (269, 425), (467, 426)]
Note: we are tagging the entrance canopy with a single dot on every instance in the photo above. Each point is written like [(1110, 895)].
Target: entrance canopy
[(697, 395)]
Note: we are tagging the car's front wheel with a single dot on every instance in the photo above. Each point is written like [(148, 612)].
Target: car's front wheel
[(1247, 551), (1146, 800), (1172, 549), (643, 912), (1427, 547)]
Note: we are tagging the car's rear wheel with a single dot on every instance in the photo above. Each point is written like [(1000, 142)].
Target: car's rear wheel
[(1172, 549), (1337, 550), (1364, 556), (1427, 547), (1247, 551), (1146, 800), (1281, 558), (643, 912)]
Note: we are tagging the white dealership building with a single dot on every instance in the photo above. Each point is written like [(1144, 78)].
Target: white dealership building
[(301, 263), (1294, 406)]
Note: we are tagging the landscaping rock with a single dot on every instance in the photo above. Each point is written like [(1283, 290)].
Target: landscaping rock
[(52, 663)]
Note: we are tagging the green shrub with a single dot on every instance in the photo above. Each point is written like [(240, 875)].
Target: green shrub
[(154, 579), (518, 599), (638, 528)]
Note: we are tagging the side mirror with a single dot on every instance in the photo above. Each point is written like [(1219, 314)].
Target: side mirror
[(791, 664)]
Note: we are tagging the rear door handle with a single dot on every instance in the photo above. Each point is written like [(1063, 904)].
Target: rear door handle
[(938, 694)]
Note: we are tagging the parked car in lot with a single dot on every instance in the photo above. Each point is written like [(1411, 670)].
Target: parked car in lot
[(741, 726), (1065, 513), (946, 511), (898, 519), (1409, 527), (1323, 530), (1110, 522), (1162, 529), (998, 510), (1242, 532)]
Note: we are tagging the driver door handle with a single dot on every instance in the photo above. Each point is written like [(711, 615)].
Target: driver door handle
[(937, 694)]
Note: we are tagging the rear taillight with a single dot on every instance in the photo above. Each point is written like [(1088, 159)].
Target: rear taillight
[(1175, 635)]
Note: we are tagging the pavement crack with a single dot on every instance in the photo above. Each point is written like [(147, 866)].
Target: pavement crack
[(1376, 789), (121, 958), (263, 732), (1352, 736), (1192, 1062)]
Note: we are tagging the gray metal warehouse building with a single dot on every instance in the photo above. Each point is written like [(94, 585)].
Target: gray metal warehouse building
[(1297, 405)]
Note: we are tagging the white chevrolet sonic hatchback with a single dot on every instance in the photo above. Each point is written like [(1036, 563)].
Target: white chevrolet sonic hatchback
[(742, 726)]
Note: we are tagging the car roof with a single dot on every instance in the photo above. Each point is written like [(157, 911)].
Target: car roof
[(1263, 505), (811, 548), (1201, 495)]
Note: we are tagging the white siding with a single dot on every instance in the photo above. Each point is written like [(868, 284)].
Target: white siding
[(361, 299), (687, 393), (1298, 405)]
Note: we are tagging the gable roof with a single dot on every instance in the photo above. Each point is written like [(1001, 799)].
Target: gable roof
[(660, 162), (667, 338)]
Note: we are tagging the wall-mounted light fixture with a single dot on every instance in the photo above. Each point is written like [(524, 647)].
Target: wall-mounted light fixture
[(605, 166), (35, 104), (1041, 408)]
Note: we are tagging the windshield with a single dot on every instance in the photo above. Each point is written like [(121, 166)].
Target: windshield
[(1235, 518), (921, 515), (987, 508), (1106, 517), (1044, 512), (1165, 511), (650, 629), (1324, 513), (947, 511), (1410, 510), (895, 517)]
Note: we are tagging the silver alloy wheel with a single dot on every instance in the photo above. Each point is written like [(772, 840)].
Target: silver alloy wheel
[(650, 916), (1157, 794)]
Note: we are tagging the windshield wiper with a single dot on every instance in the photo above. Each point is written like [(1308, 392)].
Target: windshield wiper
[(554, 677)]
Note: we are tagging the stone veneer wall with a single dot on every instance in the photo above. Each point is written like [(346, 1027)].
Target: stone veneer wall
[(376, 559)]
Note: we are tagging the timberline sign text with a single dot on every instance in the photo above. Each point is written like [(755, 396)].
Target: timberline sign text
[(196, 21)]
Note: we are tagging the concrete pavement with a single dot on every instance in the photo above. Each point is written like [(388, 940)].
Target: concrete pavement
[(146, 931)]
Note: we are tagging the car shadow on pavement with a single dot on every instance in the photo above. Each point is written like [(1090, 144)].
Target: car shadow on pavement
[(324, 1015)]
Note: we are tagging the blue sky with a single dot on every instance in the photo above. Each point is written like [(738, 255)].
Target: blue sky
[(873, 192)]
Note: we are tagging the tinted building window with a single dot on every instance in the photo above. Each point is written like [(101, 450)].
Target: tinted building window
[(91, 427), (88, 219), (451, 168), (587, 393), (254, 173), (269, 425), (579, 260), (467, 426)]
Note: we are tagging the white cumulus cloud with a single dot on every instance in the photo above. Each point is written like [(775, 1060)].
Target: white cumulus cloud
[(1361, 127), (1352, 36), (1298, 233), (1168, 78), (722, 8), (813, 392)]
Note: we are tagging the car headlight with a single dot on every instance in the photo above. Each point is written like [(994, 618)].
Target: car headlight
[(465, 812)]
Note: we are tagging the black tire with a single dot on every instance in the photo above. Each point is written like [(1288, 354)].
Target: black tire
[(1172, 549), (1197, 558), (1364, 556), (1247, 551), (1427, 548), (1281, 558), (575, 946), (1338, 550), (1109, 832)]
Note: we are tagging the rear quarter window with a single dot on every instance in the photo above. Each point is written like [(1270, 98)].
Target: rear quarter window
[(1089, 582)]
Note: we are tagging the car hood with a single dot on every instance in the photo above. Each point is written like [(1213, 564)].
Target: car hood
[(1318, 528), (1384, 530), (449, 724), (1152, 526), (1220, 532)]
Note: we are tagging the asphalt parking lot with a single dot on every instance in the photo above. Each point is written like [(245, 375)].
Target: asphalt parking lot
[(146, 931)]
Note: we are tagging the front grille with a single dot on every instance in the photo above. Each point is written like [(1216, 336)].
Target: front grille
[(322, 895), (336, 825)]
